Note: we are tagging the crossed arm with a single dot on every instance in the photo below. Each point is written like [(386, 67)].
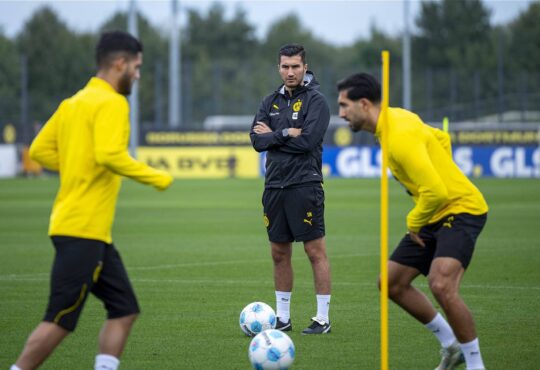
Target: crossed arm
[(262, 128), (300, 140)]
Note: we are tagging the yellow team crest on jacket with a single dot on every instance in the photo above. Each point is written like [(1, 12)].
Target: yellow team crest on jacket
[(296, 106)]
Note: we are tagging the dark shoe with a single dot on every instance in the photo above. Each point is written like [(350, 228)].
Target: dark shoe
[(283, 326), (317, 327)]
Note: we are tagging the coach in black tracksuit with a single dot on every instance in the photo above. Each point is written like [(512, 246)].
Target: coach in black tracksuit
[(290, 126)]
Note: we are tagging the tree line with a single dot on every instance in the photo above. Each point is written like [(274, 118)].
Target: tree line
[(463, 66)]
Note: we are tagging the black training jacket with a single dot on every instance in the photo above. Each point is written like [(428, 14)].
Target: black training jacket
[(293, 161)]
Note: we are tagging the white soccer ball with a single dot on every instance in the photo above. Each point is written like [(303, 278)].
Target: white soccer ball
[(271, 349), (257, 317)]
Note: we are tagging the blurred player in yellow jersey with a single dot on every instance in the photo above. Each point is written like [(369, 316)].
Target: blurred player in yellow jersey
[(449, 214), (86, 141)]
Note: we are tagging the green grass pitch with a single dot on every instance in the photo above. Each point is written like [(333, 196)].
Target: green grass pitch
[(198, 253)]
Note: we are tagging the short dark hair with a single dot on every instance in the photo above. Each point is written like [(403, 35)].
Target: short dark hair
[(361, 85), (111, 44), (290, 50)]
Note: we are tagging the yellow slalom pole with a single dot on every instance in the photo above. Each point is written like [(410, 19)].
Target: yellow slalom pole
[(384, 209), (445, 124)]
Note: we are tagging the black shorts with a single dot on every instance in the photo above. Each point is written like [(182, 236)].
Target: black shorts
[(294, 214), (82, 266), (453, 236)]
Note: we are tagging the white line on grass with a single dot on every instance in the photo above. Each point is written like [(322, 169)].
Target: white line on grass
[(238, 282), (42, 276), (218, 263), (338, 283), (183, 265)]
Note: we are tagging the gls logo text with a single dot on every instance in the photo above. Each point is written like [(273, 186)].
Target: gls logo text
[(359, 162), (504, 161), (474, 161)]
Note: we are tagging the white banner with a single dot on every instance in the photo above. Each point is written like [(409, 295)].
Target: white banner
[(8, 160)]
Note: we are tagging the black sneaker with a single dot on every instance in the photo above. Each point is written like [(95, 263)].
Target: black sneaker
[(317, 327), (283, 326)]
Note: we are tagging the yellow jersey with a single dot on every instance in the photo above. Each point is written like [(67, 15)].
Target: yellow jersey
[(420, 158), (86, 141)]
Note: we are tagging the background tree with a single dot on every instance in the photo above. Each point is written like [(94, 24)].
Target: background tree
[(453, 34), (220, 56), (59, 61), (153, 87), (463, 67), (524, 59), (365, 55), (525, 39), (9, 81), (454, 42)]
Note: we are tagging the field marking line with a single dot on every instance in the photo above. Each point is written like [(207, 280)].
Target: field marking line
[(190, 264), (217, 281), (338, 283), (218, 263), (44, 276)]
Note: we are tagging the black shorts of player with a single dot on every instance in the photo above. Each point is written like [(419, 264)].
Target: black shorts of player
[(294, 214), (453, 236), (83, 266)]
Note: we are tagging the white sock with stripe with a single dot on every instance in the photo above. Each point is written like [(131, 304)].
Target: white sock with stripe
[(106, 362), (323, 306), (473, 357), (283, 305), (442, 330)]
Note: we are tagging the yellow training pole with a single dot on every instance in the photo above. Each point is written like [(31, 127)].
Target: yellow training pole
[(445, 124), (384, 209)]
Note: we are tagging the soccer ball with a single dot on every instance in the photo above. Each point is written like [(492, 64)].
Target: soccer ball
[(257, 317), (271, 349)]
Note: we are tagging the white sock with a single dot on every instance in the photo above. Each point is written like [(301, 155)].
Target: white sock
[(442, 330), (283, 305), (323, 305), (14, 367), (473, 357), (106, 362)]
